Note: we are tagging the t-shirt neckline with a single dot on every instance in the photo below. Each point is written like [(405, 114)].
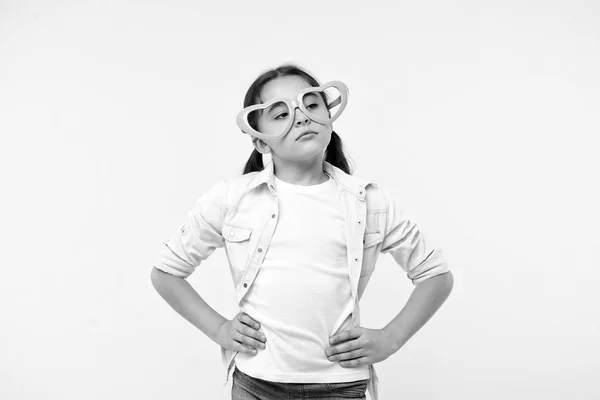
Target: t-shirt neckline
[(301, 188)]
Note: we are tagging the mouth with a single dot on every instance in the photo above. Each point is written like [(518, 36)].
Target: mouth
[(306, 133)]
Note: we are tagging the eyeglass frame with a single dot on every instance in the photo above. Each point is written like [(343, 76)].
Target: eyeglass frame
[(244, 125)]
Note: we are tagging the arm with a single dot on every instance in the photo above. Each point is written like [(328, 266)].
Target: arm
[(427, 269), (426, 266), (182, 297), (183, 252), (426, 298)]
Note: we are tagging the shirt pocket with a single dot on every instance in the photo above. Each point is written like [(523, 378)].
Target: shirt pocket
[(237, 246), (372, 238)]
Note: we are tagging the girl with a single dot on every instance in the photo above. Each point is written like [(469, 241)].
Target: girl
[(302, 237)]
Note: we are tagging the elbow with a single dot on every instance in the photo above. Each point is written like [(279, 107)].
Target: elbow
[(157, 277), (154, 275), (448, 279), (444, 281)]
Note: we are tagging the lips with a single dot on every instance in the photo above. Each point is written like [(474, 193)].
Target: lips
[(305, 133)]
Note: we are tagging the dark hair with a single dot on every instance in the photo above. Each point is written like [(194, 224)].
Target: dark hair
[(334, 153)]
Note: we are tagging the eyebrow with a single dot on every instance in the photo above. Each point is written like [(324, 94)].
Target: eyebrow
[(313, 96), (274, 106)]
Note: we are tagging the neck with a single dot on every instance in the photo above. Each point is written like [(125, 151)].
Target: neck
[(300, 173)]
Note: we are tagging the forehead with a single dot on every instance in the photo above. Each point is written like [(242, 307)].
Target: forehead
[(284, 86)]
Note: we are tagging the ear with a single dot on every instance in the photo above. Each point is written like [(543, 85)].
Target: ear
[(260, 146)]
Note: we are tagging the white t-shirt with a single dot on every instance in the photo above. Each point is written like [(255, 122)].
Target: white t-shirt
[(301, 295)]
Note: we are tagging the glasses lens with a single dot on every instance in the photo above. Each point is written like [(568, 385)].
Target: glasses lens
[(270, 120), (324, 104)]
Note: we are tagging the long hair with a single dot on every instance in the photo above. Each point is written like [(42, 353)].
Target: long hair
[(334, 153)]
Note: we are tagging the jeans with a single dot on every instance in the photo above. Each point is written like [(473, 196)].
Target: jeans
[(246, 387)]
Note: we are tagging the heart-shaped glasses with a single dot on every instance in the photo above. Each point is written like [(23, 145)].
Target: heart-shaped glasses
[(272, 120)]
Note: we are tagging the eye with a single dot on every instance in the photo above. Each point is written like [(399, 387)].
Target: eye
[(283, 115), (311, 106)]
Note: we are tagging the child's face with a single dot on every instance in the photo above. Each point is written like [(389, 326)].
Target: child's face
[(290, 147)]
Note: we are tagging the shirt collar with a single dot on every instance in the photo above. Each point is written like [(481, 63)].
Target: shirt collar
[(352, 184)]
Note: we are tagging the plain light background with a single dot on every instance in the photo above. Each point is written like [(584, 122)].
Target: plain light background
[(482, 117)]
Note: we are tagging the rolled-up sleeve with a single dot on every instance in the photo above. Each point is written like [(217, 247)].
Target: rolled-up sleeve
[(409, 247), (197, 238)]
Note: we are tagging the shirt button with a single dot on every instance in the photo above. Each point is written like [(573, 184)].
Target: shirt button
[(245, 285), (231, 233), (259, 250), (355, 259), (360, 222), (273, 216)]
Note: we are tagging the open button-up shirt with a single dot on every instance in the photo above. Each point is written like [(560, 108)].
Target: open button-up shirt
[(374, 225)]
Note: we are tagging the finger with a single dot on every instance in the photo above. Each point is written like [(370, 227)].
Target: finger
[(349, 334), (251, 332), (249, 327), (344, 347), (244, 336), (243, 349), (357, 362), (349, 355), (247, 320)]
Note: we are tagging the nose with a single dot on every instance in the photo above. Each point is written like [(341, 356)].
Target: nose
[(301, 118)]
